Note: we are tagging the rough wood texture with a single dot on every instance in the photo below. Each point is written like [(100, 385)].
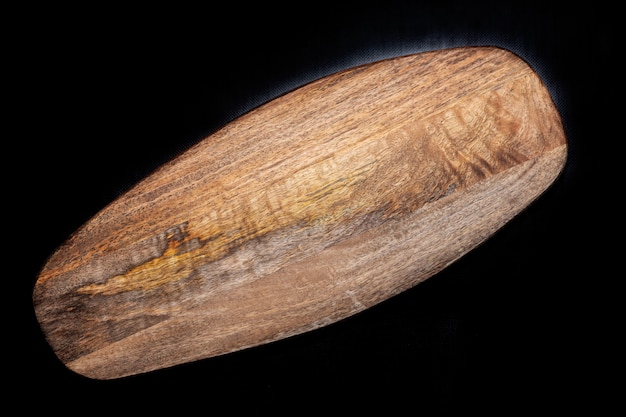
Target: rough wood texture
[(304, 211)]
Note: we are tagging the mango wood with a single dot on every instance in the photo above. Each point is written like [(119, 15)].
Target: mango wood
[(308, 209)]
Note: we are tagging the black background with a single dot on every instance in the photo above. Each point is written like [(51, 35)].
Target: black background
[(106, 95)]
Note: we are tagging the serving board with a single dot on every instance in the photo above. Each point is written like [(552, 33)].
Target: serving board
[(304, 211)]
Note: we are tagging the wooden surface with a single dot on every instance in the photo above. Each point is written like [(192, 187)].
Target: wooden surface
[(306, 210)]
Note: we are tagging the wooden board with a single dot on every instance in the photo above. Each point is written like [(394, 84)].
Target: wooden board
[(304, 211)]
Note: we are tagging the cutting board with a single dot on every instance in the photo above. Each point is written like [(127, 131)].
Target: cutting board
[(308, 209)]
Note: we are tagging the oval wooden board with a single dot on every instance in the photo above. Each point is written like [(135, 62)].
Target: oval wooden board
[(304, 211)]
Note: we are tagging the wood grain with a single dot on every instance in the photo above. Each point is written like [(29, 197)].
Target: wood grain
[(304, 211)]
